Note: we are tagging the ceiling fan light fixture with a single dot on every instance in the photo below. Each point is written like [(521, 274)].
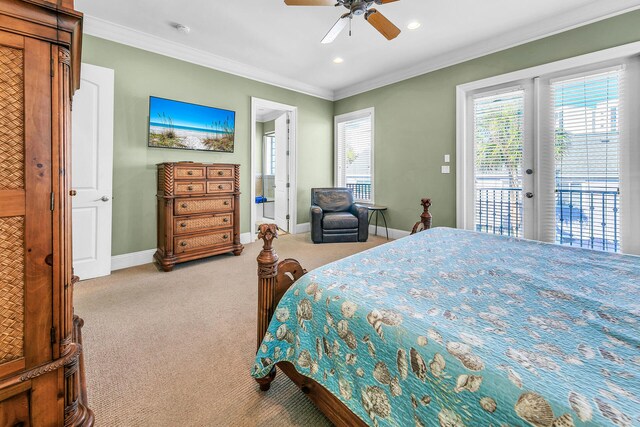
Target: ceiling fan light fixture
[(414, 25), (338, 60)]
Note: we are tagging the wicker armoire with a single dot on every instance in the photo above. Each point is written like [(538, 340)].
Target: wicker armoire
[(41, 365)]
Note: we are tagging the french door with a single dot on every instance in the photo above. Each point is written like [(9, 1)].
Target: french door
[(550, 159)]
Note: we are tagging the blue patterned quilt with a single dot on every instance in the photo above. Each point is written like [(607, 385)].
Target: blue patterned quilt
[(456, 328)]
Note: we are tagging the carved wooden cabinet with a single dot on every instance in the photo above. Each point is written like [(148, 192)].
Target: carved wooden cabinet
[(198, 211), (41, 378)]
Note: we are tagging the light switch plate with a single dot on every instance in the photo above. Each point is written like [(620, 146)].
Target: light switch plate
[(446, 169), (447, 158)]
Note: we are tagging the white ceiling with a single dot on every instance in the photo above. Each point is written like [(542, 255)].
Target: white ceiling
[(269, 41)]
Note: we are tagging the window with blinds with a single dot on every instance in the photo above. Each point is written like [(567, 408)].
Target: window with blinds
[(270, 153), (586, 113), (354, 154), (498, 132)]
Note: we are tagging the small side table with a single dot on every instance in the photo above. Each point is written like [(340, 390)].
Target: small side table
[(378, 210)]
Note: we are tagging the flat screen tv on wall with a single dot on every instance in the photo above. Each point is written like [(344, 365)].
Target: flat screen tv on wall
[(175, 124)]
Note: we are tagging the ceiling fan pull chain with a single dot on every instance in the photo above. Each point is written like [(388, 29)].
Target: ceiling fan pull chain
[(350, 23)]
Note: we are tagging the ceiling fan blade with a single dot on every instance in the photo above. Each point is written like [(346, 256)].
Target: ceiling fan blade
[(310, 2), (386, 1), (382, 24), (336, 29)]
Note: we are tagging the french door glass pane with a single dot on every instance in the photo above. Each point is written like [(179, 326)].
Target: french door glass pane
[(499, 144), (587, 145)]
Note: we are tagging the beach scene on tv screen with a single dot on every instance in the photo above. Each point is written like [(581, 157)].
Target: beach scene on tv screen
[(174, 124)]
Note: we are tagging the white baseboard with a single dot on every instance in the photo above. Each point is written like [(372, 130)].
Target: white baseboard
[(134, 259), (303, 228), (393, 233), (245, 238)]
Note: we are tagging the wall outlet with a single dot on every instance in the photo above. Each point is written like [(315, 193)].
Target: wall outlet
[(447, 158), (446, 169)]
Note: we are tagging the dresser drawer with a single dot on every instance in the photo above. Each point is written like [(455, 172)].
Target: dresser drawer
[(202, 241), (202, 223), (196, 206), (183, 188), (219, 187), (220, 172), (189, 172)]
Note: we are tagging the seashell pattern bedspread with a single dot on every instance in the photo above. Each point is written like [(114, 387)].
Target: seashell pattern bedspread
[(457, 328)]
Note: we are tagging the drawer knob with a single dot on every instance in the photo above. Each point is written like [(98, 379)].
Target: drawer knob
[(184, 205), (220, 173), (226, 203), (190, 173), (183, 225), (183, 243), (225, 220), (225, 237), (190, 187), (220, 187)]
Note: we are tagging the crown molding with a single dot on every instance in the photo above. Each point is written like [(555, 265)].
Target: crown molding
[(593, 12), (588, 14), (128, 36)]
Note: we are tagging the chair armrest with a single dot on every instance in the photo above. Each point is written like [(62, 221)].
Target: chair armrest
[(362, 214), (316, 223)]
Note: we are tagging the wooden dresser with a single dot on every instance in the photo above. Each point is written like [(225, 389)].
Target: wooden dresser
[(41, 366), (198, 211)]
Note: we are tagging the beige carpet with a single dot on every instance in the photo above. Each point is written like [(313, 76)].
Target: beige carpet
[(175, 349)]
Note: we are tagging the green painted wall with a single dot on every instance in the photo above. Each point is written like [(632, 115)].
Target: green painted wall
[(415, 122), (271, 126), (139, 74)]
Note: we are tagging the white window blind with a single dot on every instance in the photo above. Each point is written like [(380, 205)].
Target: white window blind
[(498, 132), (270, 153), (354, 154), (587, 111)]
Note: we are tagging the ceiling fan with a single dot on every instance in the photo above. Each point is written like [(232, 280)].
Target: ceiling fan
[(356, 8)]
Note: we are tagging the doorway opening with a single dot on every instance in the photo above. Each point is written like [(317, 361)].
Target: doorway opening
[(273, 165)]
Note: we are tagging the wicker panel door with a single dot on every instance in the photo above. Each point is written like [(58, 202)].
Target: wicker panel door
[(25, 213)]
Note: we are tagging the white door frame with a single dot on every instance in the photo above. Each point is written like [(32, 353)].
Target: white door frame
[(464, 150), (256, 104)]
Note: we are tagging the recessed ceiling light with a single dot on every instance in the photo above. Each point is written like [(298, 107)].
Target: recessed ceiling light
[(338, 60), (183, 28), (414, 25)]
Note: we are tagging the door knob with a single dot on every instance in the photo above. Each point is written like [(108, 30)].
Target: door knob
[(529, 195), (103, 199)]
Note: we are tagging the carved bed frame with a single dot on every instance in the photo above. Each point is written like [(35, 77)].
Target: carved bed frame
[(274, 279)]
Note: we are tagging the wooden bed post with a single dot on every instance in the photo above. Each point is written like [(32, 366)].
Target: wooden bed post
[(425, 218), (267, 272)]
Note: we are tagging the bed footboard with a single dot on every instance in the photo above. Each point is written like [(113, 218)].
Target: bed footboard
[(274, 278)]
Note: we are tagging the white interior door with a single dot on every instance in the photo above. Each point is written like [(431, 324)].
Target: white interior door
[(282, 173), (92, 163)]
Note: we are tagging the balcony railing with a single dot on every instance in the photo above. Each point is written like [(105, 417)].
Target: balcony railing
[(360, 191), (499, 211), (584, 218)]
